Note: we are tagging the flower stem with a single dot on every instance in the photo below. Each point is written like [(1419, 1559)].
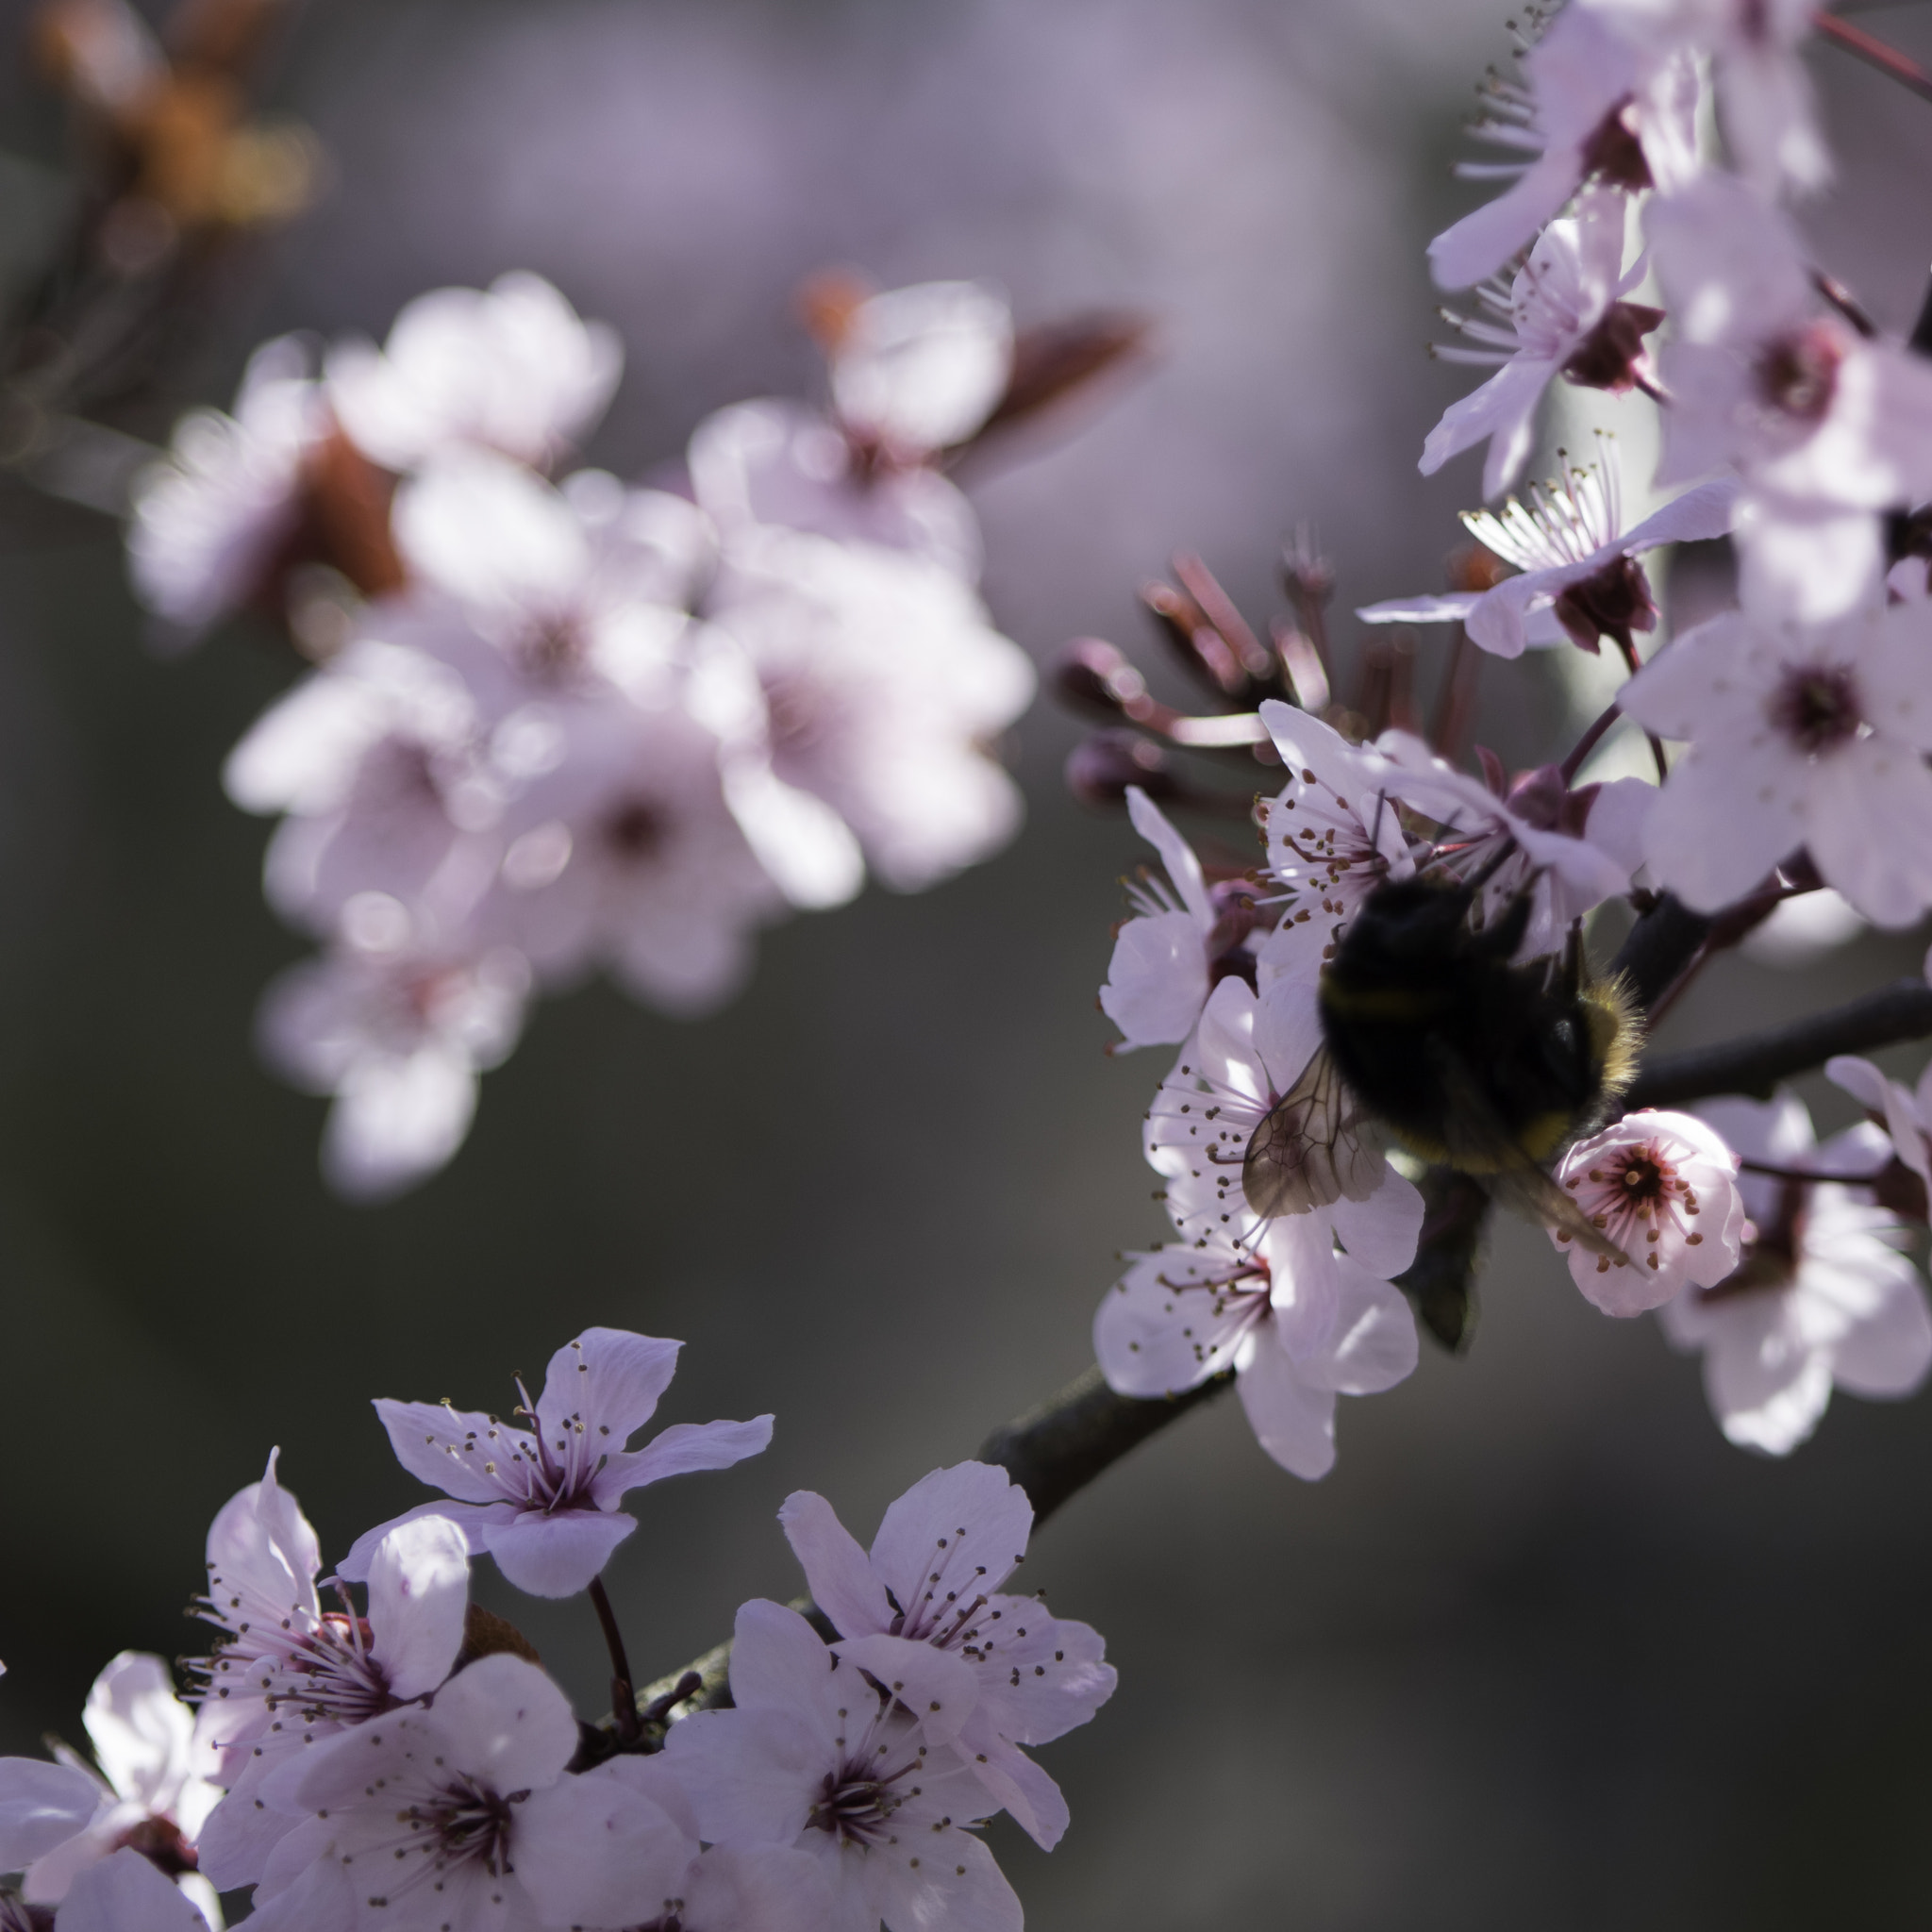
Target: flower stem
[(623, 1697), (1588, 743)]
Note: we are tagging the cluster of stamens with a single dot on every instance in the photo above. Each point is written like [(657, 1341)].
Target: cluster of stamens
[(1642, 1193)]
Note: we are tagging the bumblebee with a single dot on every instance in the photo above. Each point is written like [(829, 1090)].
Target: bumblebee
[(1465, 1058)]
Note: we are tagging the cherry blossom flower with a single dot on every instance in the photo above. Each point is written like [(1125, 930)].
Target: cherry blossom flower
[(1764, 97), (932, 1583), (1822, 1296), (623, 849), (1811, 412), (150, 1790), (1332, 833), (510, 369), (1563, 313), (1182, 1314), (544, 1501), (1808, 736), (1592, 106), (1578, 577), (397, 1038), (1662, 1187), (461, 1817), (1906, 1112), (286, 1673), (885, 682), (1569, 847), (380, 764), (1163, 959), (774, 464), (208, 521), (915, 370), (812, 1758), (1248, 1054)]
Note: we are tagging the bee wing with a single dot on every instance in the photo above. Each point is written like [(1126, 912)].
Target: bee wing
[(1308, 1150), (1487, 1150)]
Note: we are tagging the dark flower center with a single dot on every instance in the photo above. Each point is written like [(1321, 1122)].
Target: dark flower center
[(854, 1808), (1797, 373), (1609, 354), (1612, 602), (1615, 156), (1817, 706), (634, 831)]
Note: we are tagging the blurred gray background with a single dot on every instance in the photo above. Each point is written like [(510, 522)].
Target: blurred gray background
[(1544, 1650)]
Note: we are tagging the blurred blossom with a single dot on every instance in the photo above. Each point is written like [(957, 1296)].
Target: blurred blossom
[(208, 521), (1823, 1298), (149, 1787), (397, 1038), (1808, 736), (510, 369), (918, 369), (577, 725)]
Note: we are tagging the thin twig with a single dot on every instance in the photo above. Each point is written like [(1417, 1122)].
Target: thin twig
[(1875, 52), (624, 1701)]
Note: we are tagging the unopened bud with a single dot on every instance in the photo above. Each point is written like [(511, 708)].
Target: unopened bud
[(1090, 672), (1100, 769)]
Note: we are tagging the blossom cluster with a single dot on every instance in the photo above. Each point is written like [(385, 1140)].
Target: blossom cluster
[(561, 723), (406, 1763), (1633, 253)]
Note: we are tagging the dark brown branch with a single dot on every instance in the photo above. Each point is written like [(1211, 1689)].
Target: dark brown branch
[(1755, 1065), (1659, 949), (1056, 1450)]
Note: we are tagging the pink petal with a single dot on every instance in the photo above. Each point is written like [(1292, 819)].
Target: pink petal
[(756, 1888), (1016, 1783), (42, 1806), (419, 1596), (447, 1448), (1294, 1423), (954, 1529), (837, 1570), (591, 1851), (680, 1450), (956, 1886), (124, 1893), (752, 1775), (558, 1554), (611, 1380), (937, 1687)]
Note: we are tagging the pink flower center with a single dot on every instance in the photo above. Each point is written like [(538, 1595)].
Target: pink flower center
[(1635, 1196)]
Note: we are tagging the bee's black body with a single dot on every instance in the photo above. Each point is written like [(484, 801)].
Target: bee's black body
[(1467, 1058)]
